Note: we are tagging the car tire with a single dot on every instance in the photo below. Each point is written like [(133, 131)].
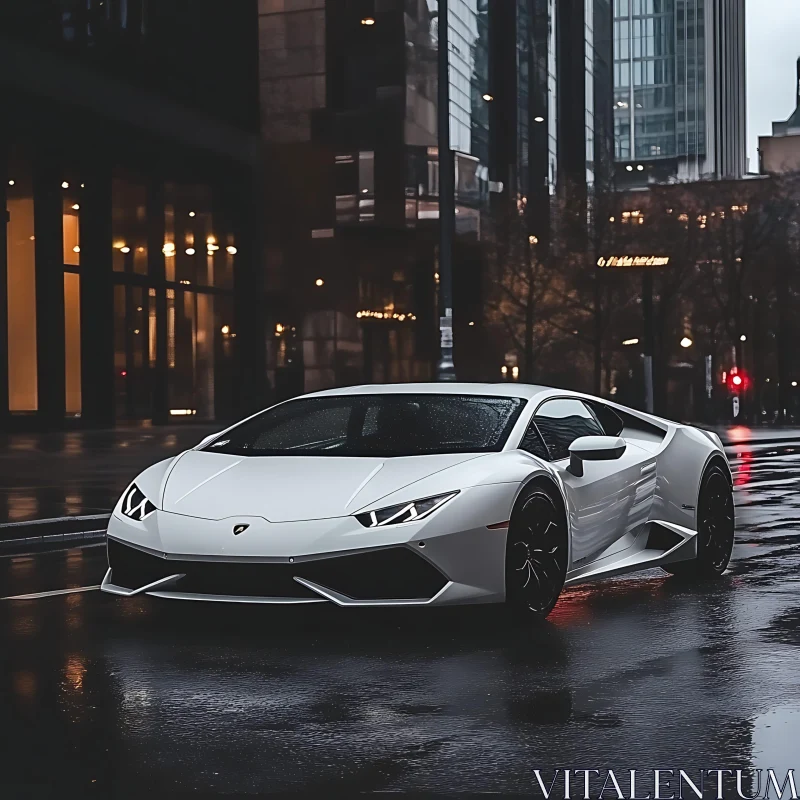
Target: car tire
[(536, 553), (715, 528)]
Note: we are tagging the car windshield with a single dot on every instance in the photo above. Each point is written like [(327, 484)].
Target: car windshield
[(378, 425)]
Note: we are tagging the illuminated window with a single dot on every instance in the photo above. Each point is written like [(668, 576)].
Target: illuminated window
[(366, 186), (129, 224), (72, 343), (70, 225), (197, 250), (21, 286)]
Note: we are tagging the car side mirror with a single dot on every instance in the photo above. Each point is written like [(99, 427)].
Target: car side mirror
[(594, 448)]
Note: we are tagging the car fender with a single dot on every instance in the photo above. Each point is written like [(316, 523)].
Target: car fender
[(681, 465)]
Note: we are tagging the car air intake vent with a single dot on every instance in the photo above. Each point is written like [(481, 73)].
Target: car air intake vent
[(395, 573), (660, 538)]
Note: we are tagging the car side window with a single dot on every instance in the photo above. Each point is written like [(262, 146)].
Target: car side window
[(611, 421), (561, 421), (533, 443)]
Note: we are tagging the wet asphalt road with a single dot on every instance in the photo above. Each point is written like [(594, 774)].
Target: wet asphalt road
[(104, 696)]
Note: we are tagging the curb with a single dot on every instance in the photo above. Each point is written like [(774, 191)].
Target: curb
[(53, 533)]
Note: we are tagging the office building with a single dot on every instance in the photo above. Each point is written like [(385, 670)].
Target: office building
[(349, 121), (128, 150), (679, 90), (780, 153)]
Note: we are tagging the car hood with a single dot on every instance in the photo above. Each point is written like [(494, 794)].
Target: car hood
[(291, 488)]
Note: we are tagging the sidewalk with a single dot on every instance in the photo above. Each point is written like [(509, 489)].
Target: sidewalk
[(76, 473), (44, 476)]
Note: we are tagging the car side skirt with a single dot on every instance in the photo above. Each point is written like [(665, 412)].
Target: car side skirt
[(657, 544)]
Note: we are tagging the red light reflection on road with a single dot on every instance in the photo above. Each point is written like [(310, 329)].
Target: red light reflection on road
[(571, 609), (743, 474), (740, 433)]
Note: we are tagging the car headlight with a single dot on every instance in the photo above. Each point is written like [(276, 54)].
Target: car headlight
[(135, 505), (404, 512)]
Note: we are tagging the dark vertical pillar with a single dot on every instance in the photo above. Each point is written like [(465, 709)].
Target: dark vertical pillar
[(243, 201), (97, 299), (157, 269), (3, 288), (446, 369), (47, 226)]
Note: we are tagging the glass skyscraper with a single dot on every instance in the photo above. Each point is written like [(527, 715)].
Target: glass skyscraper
[(678, 89)]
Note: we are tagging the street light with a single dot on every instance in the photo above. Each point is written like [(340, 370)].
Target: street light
[(538, 119), (629, 342), (742, 338), (686, 342), (488, 97)]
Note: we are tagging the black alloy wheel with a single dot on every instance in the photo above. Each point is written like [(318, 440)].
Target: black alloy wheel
[(536, 554), (715, 528)]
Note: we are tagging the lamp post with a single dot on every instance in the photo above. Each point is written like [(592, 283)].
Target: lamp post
[(446, 368), (647, 315)]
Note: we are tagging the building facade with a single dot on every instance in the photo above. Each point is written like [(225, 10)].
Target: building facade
[(349, 110), (780, 153), (128, 153), (679, 90)]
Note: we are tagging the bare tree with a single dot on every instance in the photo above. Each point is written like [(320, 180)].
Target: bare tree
[(525, 301)]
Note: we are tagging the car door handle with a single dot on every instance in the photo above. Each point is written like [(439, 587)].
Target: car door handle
[(648, 468)]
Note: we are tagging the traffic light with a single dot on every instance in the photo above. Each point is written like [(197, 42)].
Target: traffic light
[(738, 381)]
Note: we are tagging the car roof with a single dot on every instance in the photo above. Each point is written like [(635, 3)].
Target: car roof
[(523, 390)]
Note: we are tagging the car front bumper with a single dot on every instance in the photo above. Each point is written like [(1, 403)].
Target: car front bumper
[(448, 558)]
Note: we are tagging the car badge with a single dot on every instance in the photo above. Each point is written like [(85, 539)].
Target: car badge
[(237, 529)]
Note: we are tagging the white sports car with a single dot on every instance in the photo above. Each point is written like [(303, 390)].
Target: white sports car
[(422, 495)]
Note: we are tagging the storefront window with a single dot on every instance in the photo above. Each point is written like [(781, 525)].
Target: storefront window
[(129, 225), (198, 251), (190, 353), (72, 343), (70, 224), (134, 350), (21, 281)]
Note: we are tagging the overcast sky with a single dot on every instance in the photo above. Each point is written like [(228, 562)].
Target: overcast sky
[(773, 47)]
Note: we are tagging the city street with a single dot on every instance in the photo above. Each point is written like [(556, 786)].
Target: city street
[(111, 697)]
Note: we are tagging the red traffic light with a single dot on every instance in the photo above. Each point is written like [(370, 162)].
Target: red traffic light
[(738, 381)]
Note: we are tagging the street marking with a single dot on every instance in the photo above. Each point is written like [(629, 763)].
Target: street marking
[(55, 593)]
